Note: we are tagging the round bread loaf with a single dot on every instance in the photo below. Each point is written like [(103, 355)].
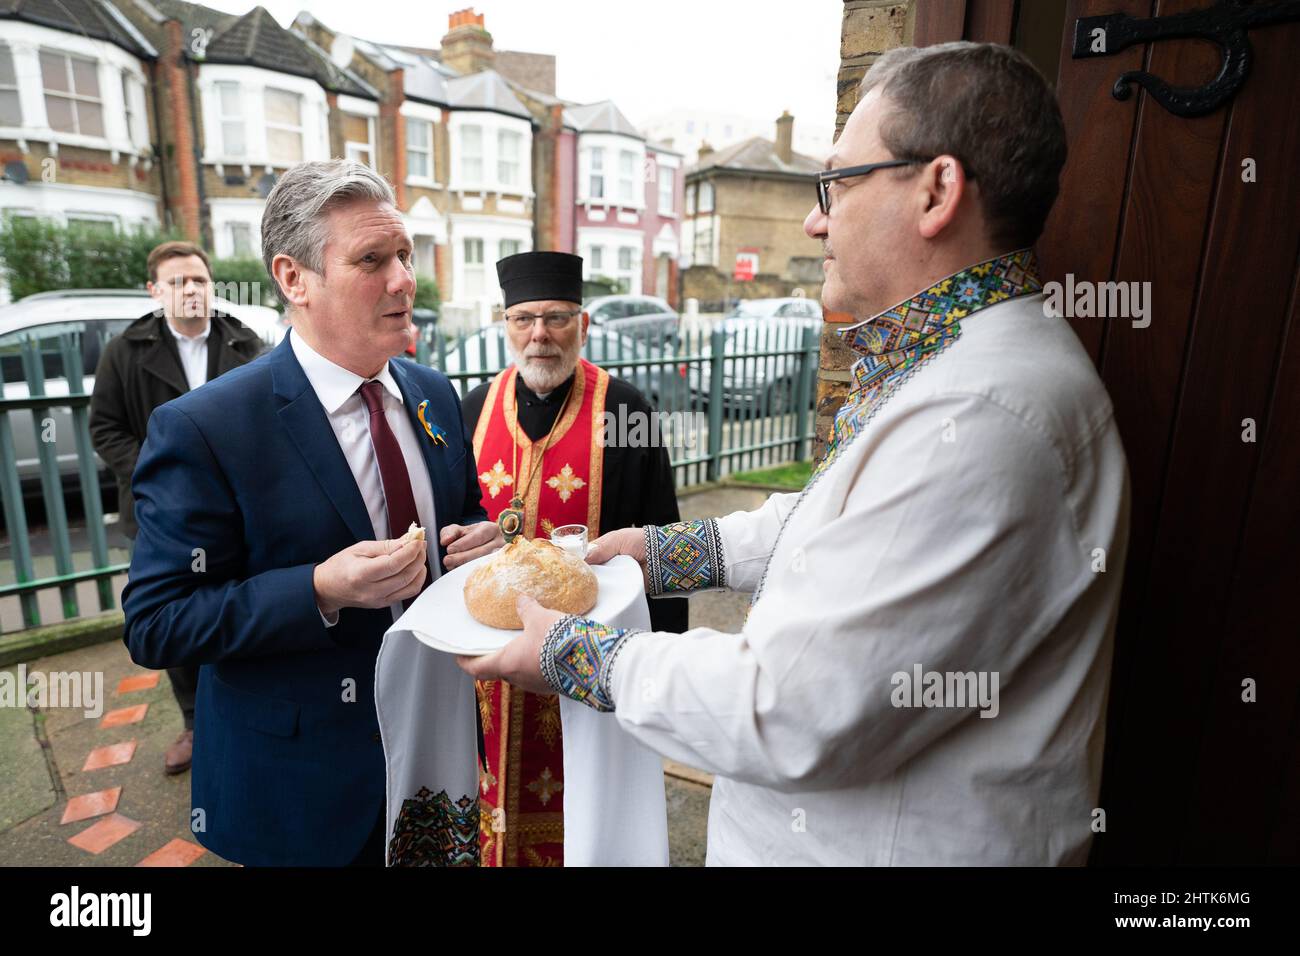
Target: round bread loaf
[(554, 578)]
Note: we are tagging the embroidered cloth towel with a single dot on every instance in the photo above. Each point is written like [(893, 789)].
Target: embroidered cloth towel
[(615, 812)]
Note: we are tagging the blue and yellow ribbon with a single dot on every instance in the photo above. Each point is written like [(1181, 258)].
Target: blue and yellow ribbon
[(437, 434)]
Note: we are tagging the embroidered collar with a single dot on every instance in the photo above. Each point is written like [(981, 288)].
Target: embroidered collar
[(893, 344), (929, 312)]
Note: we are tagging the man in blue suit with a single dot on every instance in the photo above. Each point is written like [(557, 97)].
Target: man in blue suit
[(272, 506)]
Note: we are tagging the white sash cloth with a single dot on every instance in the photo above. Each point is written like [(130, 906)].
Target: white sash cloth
[(615, 813)]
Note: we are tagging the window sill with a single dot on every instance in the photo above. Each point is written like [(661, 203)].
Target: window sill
[(611, 204), (55, 139), (506, 193)]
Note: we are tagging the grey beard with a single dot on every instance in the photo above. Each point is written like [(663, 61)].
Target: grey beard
[(544, 380)]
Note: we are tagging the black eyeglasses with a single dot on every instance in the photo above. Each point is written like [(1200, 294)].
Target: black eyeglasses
[(553, 320), (828, 176)]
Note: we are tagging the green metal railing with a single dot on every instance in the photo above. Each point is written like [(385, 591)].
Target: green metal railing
[(733, 402), (33, 351), (746, 396)]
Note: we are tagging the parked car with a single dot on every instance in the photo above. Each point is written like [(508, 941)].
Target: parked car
[(484, 352), (791, 307), (645, 317), (91, 317), (763, 383)]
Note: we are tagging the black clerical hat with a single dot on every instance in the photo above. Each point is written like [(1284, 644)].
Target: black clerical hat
[(536, 276)]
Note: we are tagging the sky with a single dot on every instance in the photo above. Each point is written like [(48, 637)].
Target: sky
[(750, 57)]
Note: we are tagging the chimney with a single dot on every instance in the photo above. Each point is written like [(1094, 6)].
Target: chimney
[(785, 137), (704, 153), (467, 47)]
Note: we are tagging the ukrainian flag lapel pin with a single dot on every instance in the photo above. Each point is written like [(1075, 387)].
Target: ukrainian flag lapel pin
[(433, 431)]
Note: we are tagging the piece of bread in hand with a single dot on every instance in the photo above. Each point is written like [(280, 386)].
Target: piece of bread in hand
[(413, 533), (554, 578)]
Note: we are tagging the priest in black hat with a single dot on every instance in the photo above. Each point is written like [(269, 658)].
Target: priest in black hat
[(537, 431)]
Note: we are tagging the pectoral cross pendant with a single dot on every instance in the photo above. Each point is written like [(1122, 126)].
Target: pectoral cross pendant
[(511, 520)]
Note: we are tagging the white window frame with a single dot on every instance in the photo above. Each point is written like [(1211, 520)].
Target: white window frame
[(627, 167), (468, 180), (225, 119), (501, 247), (232, 227), (300, 129), (667, 176), (351, 147), (77, 215), (597, 169), (7, 50), (478, 269), (489, 178), (604, 248), (706, 189), (517, 161), (253, 81), (25, 41), (606, 157), (72, 95), (425, 151), (491, 230), (128, 105), (224, 213)]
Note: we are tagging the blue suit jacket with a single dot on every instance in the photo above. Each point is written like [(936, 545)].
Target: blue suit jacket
[(241, 489)]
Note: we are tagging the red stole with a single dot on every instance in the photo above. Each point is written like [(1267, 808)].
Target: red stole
[(522, 786)]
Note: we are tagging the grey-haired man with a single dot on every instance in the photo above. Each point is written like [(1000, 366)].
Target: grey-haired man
[(272, 506)]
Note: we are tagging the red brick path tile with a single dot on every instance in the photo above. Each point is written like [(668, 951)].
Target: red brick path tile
[(91, 805), (124, 715), (176, 853), (102, 835), (140, 682), (109, 756)]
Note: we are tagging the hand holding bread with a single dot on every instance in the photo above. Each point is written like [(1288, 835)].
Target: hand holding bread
[(371, 574)]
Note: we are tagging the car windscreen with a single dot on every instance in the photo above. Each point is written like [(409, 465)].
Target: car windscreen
[(88, 337)]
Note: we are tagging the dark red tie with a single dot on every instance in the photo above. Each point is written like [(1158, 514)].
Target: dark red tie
[(392, 466)]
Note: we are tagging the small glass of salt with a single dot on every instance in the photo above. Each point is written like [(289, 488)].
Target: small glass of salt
[(571, 538)]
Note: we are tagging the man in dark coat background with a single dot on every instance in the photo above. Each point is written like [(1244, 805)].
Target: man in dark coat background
[(162, 355)]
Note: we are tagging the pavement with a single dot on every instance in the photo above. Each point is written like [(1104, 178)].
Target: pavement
[(89, 790)]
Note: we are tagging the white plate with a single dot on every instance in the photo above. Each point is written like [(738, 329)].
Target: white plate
[(440, 619)]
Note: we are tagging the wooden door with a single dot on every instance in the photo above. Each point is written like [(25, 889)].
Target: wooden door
[(1208, 403)]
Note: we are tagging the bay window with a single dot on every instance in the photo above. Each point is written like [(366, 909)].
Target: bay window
[(283, 126), (72, 98)]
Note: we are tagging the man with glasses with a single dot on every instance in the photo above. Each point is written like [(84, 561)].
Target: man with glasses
[(537, 431), (182, 344), (923, 674)]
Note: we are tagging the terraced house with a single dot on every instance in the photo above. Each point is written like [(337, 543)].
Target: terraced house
[(77, 115), (174, 114), (243, 99), (629, 202), (457, 144)]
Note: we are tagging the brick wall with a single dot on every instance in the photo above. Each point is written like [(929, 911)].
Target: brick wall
[(868, 28), (178, 135), (762, 214)]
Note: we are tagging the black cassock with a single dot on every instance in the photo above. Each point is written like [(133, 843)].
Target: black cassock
[(637, 487)]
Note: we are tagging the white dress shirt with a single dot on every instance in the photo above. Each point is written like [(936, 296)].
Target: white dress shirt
[(978, 524), (194, 354), (337, 389)]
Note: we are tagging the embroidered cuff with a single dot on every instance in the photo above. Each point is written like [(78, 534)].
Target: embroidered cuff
[(684, 556), (578, 659)]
